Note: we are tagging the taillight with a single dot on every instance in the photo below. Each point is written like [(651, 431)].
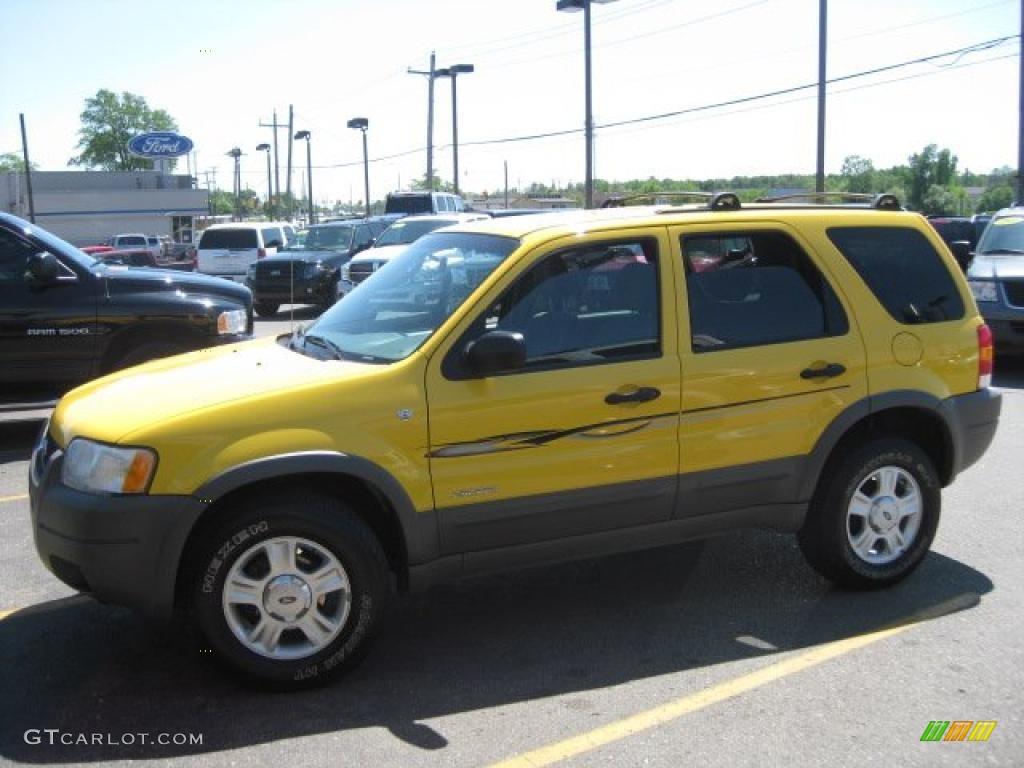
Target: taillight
[(261, 253), (985, 356)]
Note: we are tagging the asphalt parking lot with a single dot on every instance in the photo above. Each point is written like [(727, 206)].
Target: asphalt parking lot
[(728, 652)]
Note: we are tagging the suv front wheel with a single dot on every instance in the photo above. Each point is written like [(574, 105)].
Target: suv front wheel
[(874, 515), (291, 590)]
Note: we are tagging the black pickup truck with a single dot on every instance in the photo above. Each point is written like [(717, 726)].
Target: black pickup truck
[(66, 317)]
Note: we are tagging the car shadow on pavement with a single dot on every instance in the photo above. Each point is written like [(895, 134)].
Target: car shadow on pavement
[(1009, 372), (81, 667)]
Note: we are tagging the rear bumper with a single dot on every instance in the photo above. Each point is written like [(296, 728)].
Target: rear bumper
[(972, 420), (121, 549)]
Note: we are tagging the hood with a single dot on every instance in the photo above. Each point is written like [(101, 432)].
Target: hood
[(112, 407), (303, 254), (997, 267), (123, 280), (381, 253)]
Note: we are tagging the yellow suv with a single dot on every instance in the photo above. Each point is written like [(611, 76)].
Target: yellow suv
[(523, 391)]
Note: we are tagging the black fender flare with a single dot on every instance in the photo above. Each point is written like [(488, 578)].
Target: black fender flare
[(419, 529)]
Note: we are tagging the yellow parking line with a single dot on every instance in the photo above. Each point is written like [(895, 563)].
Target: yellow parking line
[(13, 498), (665, 713)]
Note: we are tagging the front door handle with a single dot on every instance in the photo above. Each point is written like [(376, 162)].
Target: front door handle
[(641, 395), (827, 372)]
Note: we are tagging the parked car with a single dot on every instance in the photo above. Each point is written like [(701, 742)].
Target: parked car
[(137, 240), (132, 257), (513, 392), (308, 271), (68, 317), (227, 250), (996, 277), (94, 250), (410, 203), (392, 242)]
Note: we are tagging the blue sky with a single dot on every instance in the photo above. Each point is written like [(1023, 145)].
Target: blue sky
[(221, 66)]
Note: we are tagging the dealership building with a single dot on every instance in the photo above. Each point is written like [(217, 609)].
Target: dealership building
[(88, 207)]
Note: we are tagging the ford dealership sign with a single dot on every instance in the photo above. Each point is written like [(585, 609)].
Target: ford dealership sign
[(159, 144)]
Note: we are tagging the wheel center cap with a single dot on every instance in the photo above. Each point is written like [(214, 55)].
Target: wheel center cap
[(884, 514), (287, 598)]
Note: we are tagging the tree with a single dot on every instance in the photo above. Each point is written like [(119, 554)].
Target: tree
[(859, 174), (939, 201), (108, 122), (12, 162), (996, 198), (929, 168)]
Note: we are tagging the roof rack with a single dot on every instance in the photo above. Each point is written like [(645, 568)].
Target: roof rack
[(716, 201), (882, 202)]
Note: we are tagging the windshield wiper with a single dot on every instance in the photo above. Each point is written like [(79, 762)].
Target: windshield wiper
[(1002, 250), (327, 344)]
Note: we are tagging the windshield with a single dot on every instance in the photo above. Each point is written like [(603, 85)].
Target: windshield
[(1004, 234), (398, 308), (320, 238), (404, 232), (409, 204)]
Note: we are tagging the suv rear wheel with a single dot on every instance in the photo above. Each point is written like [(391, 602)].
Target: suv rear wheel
[(290, 591), (874, 516)]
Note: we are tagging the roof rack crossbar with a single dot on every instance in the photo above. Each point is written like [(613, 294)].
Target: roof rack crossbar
[(882, 202)]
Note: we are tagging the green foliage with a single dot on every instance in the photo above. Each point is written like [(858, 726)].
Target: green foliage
[(108, 122), (12, 162), (859, 174), (929, 168), (996, 198), (939, 201)]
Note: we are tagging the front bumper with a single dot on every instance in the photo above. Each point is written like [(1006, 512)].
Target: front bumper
[(304, 291), (972, 421), (121, 549)]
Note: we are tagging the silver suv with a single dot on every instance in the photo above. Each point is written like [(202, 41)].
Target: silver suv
[(996, 277)]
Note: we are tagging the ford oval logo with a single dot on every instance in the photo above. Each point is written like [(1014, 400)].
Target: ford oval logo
[(160, 144)]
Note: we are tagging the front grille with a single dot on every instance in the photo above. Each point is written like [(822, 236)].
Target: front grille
[(359, 271), (1014, 292), (276, 275)]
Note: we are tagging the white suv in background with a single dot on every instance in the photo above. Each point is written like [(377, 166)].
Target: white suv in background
[(227, 250), (392, 241)]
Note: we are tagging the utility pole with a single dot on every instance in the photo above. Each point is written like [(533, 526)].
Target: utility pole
[(819, 180), (506, 176), (1020, 119), (431, 75), (288, 183), (277, 173), (28, 171)]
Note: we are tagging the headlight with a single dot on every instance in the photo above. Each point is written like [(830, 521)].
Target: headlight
[(345, 272), (232, 321), (983, 290), (95, 467)]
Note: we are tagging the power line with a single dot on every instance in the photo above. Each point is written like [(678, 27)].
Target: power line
[(959, 52)]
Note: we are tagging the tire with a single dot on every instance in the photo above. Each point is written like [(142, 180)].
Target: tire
[(307, 638), (152, 350), (873, 517), (266, 308)]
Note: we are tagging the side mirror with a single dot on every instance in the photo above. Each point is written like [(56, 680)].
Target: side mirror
[(495, 352), (961, 252), (43, 267)]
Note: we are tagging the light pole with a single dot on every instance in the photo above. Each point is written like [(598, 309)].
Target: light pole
[(588, 126), (309, 175), (270, 185), (361, 124), (453, 72), (236, 153)]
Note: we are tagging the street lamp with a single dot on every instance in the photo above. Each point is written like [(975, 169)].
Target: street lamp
[(270, 187), (309, 175), (361, 124), (236, 181), (453, 72), (572, 6)]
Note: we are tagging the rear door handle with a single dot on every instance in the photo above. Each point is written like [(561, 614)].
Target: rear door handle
[(827, 372), (641, 395)]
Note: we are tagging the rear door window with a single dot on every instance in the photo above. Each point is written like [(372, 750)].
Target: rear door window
[(907, 275), (753, 288)]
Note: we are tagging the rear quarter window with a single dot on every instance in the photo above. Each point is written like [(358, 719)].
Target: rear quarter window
[(907, 275)]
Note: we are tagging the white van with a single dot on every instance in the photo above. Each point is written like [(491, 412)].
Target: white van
[(227, 250)]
